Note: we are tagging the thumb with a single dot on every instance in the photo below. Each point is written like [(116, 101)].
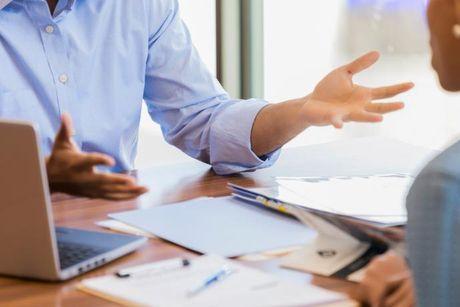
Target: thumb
[(337, 121), (64, 135)]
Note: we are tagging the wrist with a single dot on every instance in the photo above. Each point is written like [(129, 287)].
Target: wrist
[(277, 124), (302, 112)]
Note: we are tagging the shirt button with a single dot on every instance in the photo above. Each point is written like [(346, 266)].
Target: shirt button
[(63, 78), (49, 29)]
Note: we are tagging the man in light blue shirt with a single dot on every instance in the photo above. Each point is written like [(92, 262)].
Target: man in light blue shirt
[(98, 60)]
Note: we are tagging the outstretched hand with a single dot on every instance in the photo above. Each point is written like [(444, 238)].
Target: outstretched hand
[(74, 172), (336, 99)]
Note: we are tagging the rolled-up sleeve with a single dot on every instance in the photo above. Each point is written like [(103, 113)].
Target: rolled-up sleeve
[(230, 139), (194, 111)]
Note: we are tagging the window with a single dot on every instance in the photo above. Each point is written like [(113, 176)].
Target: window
[(200, 16), (304, 40)]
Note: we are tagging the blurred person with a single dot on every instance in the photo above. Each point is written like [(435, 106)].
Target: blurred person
[(95, 61), (433, 202)]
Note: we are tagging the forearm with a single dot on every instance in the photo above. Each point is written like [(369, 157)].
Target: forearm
[(277, 124), (334, 101)]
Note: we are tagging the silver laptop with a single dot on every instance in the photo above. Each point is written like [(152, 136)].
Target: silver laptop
[(31, 246)]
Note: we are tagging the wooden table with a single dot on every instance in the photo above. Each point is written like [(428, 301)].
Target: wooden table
[(167, 184)]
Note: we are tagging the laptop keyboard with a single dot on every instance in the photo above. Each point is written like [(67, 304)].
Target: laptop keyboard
[(72, 253)]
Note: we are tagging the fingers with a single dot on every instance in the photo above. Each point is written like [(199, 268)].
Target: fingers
[(64, 135), (122, 191), (384, 282), (358, 293), (115, 179), (122, 188), (365, 117), (362, 63), (116, 187), (391, 91), (404, 294), (360, 117), (94, 159), (372, 114), (120, 196), (104, 186), (384, 108)]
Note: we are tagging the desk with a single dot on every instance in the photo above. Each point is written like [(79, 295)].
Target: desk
[(167, 184)]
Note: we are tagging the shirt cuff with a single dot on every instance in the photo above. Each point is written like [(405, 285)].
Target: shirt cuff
[(230, 139)]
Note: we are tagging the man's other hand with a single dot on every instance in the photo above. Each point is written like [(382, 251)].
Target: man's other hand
[(336, 99), (74, 172)]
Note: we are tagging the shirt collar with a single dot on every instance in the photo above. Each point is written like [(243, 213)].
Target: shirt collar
[(3, 3)]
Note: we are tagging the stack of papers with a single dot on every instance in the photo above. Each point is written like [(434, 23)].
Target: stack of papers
[(245, 287), (376, 198)]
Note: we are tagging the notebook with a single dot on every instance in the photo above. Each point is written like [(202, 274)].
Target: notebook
[(245, 287)]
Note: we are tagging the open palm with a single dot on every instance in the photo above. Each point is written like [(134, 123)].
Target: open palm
[(336, 99), (73, 171)]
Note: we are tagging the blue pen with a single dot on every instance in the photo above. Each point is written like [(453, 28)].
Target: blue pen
[(216, 277)]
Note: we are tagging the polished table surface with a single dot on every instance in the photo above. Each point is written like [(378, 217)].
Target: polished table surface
[(167, 184)]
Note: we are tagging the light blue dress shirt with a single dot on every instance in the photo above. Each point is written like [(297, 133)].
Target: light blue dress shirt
[(98, 60)]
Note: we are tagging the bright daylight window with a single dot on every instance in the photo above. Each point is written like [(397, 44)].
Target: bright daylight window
[(306, 39)]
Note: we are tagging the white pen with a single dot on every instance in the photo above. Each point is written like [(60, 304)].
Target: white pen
[(153, 268), (220, 275)]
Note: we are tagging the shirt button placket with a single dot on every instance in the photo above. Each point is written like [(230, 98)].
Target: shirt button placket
[(56, 52), (63, 78)]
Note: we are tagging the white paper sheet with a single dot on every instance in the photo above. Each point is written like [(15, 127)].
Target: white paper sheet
[(224, 226), (245, 287), (124, 228), (378, 195)]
